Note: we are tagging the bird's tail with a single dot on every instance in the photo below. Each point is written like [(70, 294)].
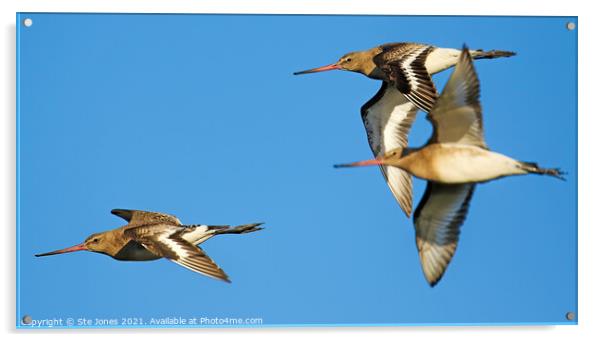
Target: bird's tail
[(534, 168), (242, 229), (480, 54)]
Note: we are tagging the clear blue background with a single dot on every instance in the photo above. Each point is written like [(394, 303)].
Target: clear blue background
[(200, 116)]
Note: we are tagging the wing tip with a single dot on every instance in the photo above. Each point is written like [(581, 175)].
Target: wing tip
[(220, 276), (435, 278), (407, 211), (465, 52), (434, 281), (434, 265), (467, 58), (116, 211), (125, 214)]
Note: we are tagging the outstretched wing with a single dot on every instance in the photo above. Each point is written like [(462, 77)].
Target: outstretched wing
[(457, 115), (404, 65), (388, 117), (140, 217), (437, 220), (167, 241)]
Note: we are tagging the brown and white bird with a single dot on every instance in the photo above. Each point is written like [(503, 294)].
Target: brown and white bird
[(453, 161), (151, 236), (405, 69)]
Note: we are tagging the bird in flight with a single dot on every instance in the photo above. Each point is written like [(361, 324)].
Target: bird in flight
[(453, 161), (405, 70), (151, 236)]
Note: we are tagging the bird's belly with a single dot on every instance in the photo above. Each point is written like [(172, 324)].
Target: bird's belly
[(468, 164), (134, 251)]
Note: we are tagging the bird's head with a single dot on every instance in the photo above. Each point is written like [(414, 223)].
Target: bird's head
[(392, 158), (97, 243), (359, 61)]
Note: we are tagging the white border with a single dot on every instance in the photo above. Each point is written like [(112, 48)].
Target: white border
[(589, 163)]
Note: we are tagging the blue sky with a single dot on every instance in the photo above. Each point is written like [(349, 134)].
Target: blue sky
[(200, 116)]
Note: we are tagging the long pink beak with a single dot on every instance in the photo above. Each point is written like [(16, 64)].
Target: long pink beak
[(362, 163), (324, 68), (80, 247)]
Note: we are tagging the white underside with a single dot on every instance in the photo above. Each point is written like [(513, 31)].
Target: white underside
[(385, 118), (470, 164)]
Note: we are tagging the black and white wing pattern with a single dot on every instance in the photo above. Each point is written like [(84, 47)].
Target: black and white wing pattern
[(457, 115), (404, 66), (437, 220), (166, 241), (388, 117), (140, 217)]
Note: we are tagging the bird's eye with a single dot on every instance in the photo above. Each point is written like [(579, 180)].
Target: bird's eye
[(96, 240), (348, 59)]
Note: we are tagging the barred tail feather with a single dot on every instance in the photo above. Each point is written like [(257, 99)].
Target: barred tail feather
[(480, 54), (242, 229), (531, 167)]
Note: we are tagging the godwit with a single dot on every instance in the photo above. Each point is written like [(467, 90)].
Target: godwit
[(405, 70), (453, 161), (151, 236)]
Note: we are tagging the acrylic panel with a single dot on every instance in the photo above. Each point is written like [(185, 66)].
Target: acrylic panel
[(200, 116)]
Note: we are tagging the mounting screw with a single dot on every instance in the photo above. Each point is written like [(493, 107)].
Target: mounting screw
[(26, 319), (570, 315), (570, 26), (27, 22)]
